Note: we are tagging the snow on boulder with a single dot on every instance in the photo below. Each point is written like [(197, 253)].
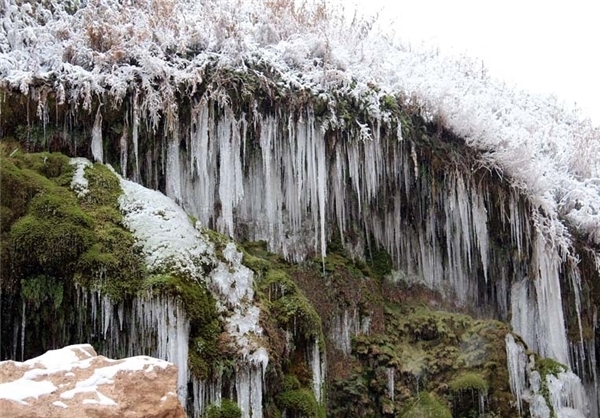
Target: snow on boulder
[(75, 382)]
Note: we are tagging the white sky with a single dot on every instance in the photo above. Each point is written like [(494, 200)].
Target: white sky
[(541, 46)]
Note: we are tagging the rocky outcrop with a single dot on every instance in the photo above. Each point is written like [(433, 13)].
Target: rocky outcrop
[(75, 382)]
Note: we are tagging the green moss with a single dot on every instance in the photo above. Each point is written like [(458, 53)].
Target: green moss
[(380, 262), (51, 239), (200, 306), (449, 354), (50, 245), (299, 402), (219, 240), (426, 405), (23, 178), (469, 381), (40, 290), (548, 366), (290, 382), (227, 409), (258, 265), (291, 308), (50, 165), (115, 263), (104, 187)]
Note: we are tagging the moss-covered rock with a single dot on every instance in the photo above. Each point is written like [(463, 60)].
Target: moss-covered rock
[(227, 409), (426, 405), (299, 403), (447, 354), (200, 307)]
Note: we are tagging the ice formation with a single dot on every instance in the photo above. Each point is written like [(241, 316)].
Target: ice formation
[(79, 184), (154, 325), (170, 241), (317, 366), (391, 382), (344, 326), (290, 177), (157, 325), (564, 396)]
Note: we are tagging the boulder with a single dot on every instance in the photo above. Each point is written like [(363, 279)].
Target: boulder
[(75, 382)]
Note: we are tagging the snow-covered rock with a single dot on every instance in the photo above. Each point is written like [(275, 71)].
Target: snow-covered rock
[(75, 382)]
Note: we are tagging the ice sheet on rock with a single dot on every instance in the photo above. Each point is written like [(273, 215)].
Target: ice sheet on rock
[(566, 395)]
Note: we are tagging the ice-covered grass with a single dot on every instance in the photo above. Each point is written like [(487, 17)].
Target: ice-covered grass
[(85, 49)]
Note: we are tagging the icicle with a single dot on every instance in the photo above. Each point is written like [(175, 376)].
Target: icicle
[(552, 332), (163, 320), (249, 378), (123, 149), (231, 188), (205, 394), (390, 372), (23, 323), (479, 217), (318, 369), (517, 364), (483, 400), (536, 306), (97, 147), (173, 167), (134, 137), (567, 395), (345, 326)]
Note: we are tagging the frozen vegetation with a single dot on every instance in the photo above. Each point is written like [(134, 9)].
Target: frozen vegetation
[(290, 123), (85, 49)]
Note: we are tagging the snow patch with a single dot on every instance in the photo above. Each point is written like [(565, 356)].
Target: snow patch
[(80, 184)]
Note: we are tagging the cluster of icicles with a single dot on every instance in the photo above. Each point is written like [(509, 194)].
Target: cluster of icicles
[(281, 179)]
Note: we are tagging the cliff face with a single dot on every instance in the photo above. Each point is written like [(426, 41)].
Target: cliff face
[(321, 246)]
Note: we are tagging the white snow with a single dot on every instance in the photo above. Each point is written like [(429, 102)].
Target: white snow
[(80, 184), (21, 389), (63, 358), (167, 236), (60, 404)]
